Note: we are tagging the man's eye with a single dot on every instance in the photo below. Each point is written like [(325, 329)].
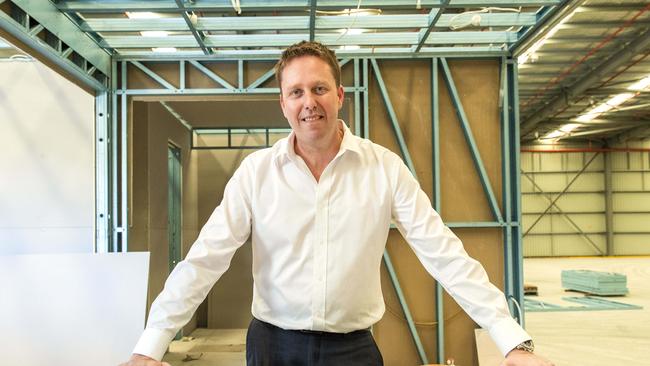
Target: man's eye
[(321, 89), (295, 92)]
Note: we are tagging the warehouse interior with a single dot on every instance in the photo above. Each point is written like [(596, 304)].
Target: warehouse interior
[(526, 122)]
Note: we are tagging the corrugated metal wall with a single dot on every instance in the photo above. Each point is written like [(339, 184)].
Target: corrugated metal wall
[(564, 203)]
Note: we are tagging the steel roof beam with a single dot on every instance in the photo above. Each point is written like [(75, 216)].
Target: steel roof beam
[(548, 17), (273, 54), (99, 6), (58, 24), (284, 40), (302, 22), (434, 16), (636, 133), (587, 81), (197, 36)]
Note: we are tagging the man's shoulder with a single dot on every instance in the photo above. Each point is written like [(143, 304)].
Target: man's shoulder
[(370, 149)]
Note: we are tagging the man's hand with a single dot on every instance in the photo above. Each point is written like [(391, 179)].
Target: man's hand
[(140, 360), (518, 357)]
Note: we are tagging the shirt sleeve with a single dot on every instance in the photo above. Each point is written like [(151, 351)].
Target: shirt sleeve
[(443, 256), (209, 257)]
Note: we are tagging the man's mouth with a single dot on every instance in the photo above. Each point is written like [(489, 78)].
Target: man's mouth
[(311, 118)]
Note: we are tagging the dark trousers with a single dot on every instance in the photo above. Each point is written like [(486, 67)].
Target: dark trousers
[(268, 345)]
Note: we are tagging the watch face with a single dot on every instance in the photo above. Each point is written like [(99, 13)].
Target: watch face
[(527, 346)]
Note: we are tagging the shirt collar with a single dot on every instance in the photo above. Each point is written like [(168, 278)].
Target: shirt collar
[(286, 151)]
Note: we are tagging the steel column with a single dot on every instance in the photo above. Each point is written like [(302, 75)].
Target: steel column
[(437, 202), (506, 176), (609, 205), (124, 164), (514, 220), (101, 173)]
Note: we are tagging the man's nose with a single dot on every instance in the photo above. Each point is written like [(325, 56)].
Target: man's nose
[(309, 101)]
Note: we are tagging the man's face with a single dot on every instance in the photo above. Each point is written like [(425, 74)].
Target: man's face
[(311, 100)]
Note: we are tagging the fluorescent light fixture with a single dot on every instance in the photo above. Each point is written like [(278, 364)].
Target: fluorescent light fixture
[(605, 107), (154, 33), (164, 49), (641, 84), (562, 131), (142, 15), (531, 53), (350, 47)]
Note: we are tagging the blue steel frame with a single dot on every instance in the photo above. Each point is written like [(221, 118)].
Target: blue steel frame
[(82, 56), (509, 220)]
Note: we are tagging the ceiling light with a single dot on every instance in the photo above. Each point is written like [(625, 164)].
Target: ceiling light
[(605, 107), (154, 33), (350, 47), (562, 131), (142, 15), (641, 84), (164, 49), (531, 53)]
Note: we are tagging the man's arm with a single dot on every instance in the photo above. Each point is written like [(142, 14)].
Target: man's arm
[(523, 358), (209, 257), (140, 360), (444, 257)]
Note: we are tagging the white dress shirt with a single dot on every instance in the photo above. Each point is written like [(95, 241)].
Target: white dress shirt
[(317, 246)]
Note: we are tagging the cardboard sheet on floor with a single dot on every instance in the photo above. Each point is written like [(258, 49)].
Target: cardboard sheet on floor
[(71, 309)]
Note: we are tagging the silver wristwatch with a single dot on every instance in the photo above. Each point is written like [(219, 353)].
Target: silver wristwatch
[(527, 346)]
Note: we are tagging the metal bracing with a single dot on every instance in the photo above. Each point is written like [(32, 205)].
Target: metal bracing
[(566, 188), (62, 43), (393, 119), (198, 35), (221, 86), (434, 16), (467, 132), (547, 196), (407, 158)]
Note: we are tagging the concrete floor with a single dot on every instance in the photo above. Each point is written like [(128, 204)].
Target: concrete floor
[(584, 338), (591, 338), (209, 347)]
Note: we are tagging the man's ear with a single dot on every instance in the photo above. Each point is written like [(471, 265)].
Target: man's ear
[(340, 93)]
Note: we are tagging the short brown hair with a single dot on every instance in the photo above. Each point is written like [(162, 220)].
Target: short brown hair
[(307, 48)]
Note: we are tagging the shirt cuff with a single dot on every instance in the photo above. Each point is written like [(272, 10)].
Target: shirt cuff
[(153, 343), (508, 334)]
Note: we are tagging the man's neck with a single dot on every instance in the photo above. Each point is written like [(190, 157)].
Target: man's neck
[(318, 157)]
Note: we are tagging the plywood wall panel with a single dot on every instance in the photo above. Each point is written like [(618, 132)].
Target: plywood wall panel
[(463, 199)]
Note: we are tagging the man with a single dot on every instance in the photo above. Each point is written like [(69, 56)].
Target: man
[(318, 206)]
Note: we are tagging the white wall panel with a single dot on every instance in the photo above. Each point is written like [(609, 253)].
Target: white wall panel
[(47, 162), (632, 222), (631, 244), (584, 202), (633, 202)]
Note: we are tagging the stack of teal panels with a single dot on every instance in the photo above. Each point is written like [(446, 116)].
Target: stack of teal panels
[(594, 282)]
